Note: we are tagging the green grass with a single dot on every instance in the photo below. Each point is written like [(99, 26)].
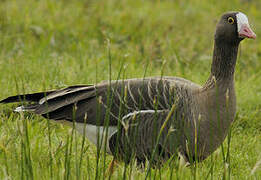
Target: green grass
[(52, 44)]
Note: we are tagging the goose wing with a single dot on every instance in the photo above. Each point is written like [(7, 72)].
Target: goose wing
[(94, 104)]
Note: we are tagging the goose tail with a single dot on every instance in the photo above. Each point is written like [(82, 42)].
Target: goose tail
[(35, 97), (31, 98)]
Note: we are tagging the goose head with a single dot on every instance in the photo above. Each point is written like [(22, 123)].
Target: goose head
[(233, 27)]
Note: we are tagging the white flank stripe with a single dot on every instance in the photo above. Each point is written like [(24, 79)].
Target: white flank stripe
[(140, 112), (19, 109)]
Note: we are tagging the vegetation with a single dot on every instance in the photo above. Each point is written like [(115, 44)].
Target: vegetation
[(53, 44)]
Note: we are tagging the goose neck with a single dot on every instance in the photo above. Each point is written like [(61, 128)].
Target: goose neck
[(223, 64)]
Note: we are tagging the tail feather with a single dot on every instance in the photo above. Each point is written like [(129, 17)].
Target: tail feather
[(64, 97), (35, 97)]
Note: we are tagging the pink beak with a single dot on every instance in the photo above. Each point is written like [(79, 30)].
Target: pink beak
[(246, 32)]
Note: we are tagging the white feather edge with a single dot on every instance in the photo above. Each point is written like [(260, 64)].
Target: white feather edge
[(139, 112), (23, 109), (19, 109)]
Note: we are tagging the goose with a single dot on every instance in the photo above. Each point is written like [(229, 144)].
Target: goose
[(153, 118)]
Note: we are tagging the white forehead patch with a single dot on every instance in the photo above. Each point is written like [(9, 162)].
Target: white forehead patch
[(241, 19)]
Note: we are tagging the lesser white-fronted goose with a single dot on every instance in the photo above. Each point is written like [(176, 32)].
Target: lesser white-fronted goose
[(154, 117)]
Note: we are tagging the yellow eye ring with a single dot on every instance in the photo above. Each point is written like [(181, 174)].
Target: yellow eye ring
[(230, 20)]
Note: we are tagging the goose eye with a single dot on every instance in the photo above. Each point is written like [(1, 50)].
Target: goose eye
[(230, 20)]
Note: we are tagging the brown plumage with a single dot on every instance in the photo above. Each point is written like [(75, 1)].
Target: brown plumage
[(155, 117)]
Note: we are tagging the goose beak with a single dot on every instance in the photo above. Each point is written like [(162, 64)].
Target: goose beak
[(246, 32)]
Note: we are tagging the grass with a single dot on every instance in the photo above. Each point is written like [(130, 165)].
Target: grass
[(53, 44)]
